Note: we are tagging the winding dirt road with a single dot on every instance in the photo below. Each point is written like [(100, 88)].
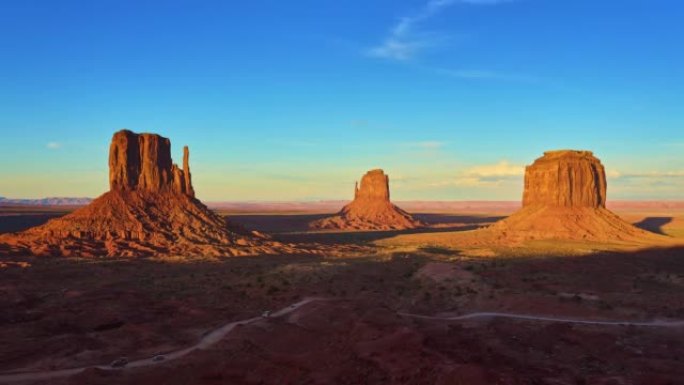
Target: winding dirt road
[(217, 335), (204, 343), (527, 317)]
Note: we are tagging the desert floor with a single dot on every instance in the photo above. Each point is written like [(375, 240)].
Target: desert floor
[(68, 313)]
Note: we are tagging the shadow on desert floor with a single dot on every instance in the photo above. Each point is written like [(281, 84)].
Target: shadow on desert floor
[(134, 306), (293, 228), (654, 224), (15, 223)]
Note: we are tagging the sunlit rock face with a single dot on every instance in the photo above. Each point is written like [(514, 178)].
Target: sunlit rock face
[(150, 209), (374, 187), (565, 178), (142, 162), (565, 199)]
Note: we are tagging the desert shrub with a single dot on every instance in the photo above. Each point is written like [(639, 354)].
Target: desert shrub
[(272, 289)]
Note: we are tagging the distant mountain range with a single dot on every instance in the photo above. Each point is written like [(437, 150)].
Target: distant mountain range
[(51, 201)]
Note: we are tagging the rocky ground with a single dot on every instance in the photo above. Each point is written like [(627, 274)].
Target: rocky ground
[(66, 312)]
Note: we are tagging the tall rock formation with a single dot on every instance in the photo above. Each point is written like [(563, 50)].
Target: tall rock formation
[(150, 210), (371, 208), (187, 177), (565, 198), (142, 162), (374, 187), (565, 178)]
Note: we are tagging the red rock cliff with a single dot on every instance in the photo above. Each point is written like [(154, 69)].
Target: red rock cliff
[(565, 179), (565, 199), (374, 187), (142, 162), (150, 210), (371, 208)]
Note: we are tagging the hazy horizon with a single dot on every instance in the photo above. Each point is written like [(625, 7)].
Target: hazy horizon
[(294, 102)]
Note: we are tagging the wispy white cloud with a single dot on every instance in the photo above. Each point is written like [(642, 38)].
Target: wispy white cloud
[(405, 39), (500, 169), (652, 174), (646, 184), (484, 175), (54, 145), (397, 49)]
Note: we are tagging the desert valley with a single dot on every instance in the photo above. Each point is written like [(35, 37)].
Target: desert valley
[(311, 192), (146, 284)]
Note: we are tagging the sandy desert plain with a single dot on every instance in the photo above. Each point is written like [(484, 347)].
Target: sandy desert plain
[(453, 296)]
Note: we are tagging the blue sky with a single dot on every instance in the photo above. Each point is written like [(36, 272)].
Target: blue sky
[(295, 100)]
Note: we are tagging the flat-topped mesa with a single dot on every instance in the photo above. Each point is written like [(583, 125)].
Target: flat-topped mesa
[(565, 199), (565, 178), (142, 162), (374, 187)]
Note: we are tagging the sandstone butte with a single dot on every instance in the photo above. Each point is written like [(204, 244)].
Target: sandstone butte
[(150, 210), (371, 208), (565, 198)]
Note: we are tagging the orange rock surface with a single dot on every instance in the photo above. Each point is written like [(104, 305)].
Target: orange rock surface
[(142, 162), (565, 179), (565, 198), (150, 210), (371, 208)]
